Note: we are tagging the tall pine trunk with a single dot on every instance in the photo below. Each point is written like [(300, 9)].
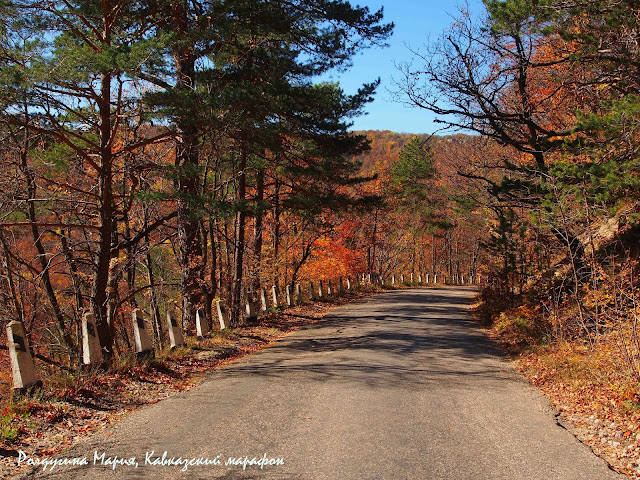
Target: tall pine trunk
[(238, 257), (100, 294), (187, 166), (276, 234), (257, 231)]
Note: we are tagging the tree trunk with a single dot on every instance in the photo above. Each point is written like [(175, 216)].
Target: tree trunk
[(433, 254), (208, 285), (276, 234), (100, 294), (187, 182), (257, 230), (153, 298), (17, 304), (238, 258), (42, 257), (372, 259)]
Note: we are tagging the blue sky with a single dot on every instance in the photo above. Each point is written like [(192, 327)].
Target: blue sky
[(414, 21)]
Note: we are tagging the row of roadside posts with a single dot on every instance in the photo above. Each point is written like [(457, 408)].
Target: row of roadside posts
[(25, 377)]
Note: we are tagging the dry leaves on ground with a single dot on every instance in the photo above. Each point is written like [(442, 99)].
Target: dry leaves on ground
[(64, 412)]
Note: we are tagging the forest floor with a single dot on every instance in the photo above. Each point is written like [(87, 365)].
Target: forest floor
[(591, 386), (72, 405)]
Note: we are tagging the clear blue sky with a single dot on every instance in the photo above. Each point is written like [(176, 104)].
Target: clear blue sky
[(414, 21)]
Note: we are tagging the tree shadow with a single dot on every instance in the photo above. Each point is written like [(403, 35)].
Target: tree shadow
[(407, 339)]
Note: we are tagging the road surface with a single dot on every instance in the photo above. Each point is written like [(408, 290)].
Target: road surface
[(400, 386)]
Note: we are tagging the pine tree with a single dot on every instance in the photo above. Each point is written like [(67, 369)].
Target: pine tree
[(72, 66), (258, 59)]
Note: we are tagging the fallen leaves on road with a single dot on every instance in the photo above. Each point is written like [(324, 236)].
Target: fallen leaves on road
[(595, 401), (598, 405)]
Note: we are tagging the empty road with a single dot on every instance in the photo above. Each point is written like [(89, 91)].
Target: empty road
[(400, 386)]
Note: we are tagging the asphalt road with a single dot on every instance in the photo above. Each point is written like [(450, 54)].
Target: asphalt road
[(402, 386)]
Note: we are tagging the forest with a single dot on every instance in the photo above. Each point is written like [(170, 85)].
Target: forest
[(146, 171), (551, 88), (168, 155)]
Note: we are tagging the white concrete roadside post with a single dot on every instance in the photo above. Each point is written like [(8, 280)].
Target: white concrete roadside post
[(143, 346), (202, 327), (176, 337), (24, 373), (263, 300), (91, 351), (250, 307), (288, 294), (223, 316), (298, 294)]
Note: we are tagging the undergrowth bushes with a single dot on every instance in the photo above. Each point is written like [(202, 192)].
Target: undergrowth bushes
[(601, 314)]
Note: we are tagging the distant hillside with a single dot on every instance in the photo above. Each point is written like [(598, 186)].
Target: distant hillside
[(448, 151), (385, 146)]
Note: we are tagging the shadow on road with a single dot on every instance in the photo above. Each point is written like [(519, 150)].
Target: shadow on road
[(409, 339)]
